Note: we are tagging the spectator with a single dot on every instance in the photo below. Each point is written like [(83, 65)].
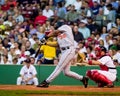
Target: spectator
[(112, 13), (17, 47), (110, 25), (12, 2), (69, 2), (115, 54), (32, 60), (12, 52), (40, 19), (92, 25), (37, 44), (39, 62), (6, 43), (51, 5), (83, 29), (5, 6), (81, 47), (2, 2), (29, 48), (118, 23), (101, 42), (95, 8), (23, 49), (49, 51), (32, 39), (114, 31), (48, 12), (19, 39), (28, 74), (61, 11), (107, 42), (27, 54), (11, 10), (48, 27), (90, 53), (104, 32), (8, 22), (72, 15), (41, 32), (101, 19), (26, 26), (18, 16), (4, 60), (15, 60), (33, 30), (87, 11), (115, 43), (77, 35), (77, 4)]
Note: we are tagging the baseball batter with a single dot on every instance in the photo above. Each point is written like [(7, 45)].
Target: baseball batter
[(107, 75), (66, 43)]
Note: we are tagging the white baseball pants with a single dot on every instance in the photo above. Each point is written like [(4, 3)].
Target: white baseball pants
[(32, 81), (64, 65)]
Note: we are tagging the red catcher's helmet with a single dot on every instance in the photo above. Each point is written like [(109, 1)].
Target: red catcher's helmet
[(99, 49)]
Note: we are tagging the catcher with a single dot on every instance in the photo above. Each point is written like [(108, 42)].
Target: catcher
[(107, 73)]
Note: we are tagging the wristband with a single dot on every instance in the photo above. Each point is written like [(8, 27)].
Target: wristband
[(90, 62)]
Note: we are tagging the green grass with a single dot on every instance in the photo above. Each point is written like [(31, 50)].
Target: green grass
[(44, 92)]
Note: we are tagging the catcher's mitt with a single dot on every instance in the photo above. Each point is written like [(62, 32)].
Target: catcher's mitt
[(80, 57)]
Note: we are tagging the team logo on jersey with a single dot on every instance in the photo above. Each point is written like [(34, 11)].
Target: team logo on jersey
[(61, 36)]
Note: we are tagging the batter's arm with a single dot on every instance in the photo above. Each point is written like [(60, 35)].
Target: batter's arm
[(55, 33)]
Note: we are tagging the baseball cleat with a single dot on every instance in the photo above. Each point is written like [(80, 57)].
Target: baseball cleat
[(85, 81), (43, 84)]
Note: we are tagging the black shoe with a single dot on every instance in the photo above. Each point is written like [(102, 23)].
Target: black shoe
[(85, 81), (43, 84)]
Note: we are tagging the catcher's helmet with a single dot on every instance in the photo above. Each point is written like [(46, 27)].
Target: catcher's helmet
[(103, 48), (99, 49)]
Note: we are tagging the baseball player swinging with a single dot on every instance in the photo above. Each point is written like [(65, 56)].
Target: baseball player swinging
[(107, 73), (66, 43)]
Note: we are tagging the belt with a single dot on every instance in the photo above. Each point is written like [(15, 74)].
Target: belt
[(65, 48), (111, 67)]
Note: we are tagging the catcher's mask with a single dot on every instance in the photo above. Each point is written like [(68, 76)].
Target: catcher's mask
[(99, 49)]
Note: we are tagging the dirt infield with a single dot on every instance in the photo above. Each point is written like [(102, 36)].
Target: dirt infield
[(60, 88)]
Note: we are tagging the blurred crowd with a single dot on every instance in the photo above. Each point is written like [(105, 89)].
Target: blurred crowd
[(24, 24)]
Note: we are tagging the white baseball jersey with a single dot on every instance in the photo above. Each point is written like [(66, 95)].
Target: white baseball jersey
[(66, 38), (28, 72), (108, 62), (108, 68)]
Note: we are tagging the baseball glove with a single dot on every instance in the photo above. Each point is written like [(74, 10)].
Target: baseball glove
[(80, 57)]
